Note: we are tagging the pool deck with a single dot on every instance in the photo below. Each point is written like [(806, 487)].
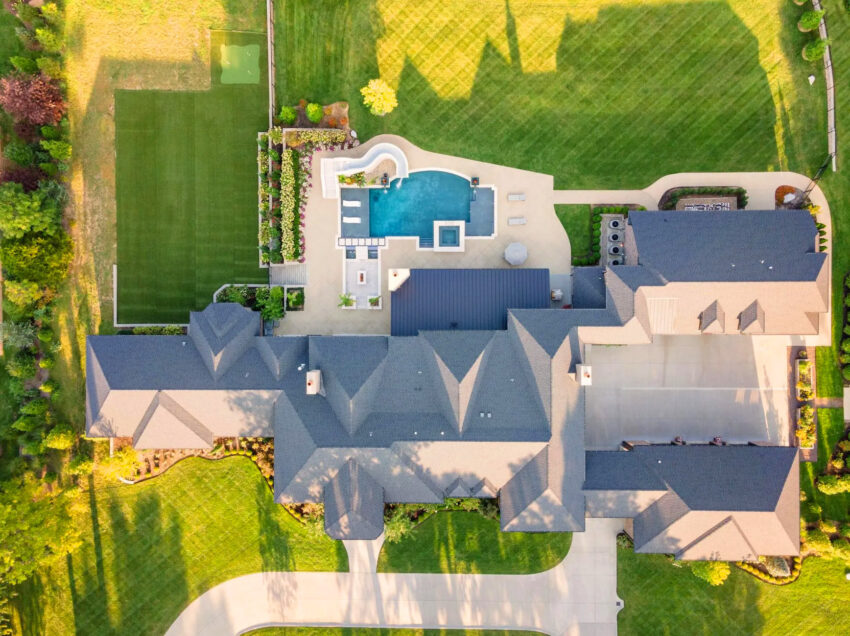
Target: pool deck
[(542, 233)]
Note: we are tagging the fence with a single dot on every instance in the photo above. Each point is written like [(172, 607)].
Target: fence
[(271, 63), (830, 91)]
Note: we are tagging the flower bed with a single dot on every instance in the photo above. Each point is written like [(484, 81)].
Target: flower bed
[(806, 433), (670, 198), (285, 161), (761, 573)]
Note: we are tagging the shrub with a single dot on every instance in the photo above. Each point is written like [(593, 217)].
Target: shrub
[(59, 150), (290, 222), (168, 330), (288, 115), (35, 99), (321, 136), (60, 437), (379, 97), (815, 50), (49, 66), (21, 153), (828, 527), (625, 541), (712, 572), (845, 373), (837, 463), (844, 445), (833, 484), (346, 300), (314, 112), (810, 20), (295, 299), (38, 258), (817, 541), (22, 294), (276, 137), (49, 39), (80, 465), (23, 64), (776, 566)]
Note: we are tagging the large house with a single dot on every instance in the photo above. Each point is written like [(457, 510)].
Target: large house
[(491, 393)]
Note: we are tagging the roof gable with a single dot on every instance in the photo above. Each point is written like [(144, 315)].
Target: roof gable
[(168, 425)]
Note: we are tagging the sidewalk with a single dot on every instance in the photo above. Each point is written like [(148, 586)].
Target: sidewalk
[(578, 596)]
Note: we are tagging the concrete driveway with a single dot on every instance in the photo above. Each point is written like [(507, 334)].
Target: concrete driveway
[(699, 387), (578, 596)]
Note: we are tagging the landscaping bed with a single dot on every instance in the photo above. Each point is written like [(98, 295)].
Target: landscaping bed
[(284, 164), (671, 198)]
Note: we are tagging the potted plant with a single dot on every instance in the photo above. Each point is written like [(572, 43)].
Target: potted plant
[(374, 302), (810, 20), (295, 299), (346, 301)]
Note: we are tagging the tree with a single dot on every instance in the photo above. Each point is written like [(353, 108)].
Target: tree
[(288, 115), (712, 572), (27, 176), (22, 212), (22, 293), (60, 437), (39, 258), (36, 528), (810, 20), (35, 99), (17, 334), (20, 152), (122, 465), (379, 96), (50, 40)]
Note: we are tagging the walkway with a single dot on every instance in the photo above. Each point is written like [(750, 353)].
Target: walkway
[(578, 596)]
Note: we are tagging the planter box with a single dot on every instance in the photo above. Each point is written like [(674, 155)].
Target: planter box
[(797, 377), (797, 427)]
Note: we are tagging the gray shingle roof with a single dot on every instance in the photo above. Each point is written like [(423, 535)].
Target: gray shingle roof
[(588, 288), (354, 504), (465, 299), (747, 245)]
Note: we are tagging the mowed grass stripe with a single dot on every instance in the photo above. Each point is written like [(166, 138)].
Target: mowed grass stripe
[(186, 190)]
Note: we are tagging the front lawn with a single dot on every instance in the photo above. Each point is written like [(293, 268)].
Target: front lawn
[(150, 549), (459, 542), (663, 599), (187, 190), (828, 373)]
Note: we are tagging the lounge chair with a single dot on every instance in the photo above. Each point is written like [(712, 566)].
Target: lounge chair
[(516, 196), (351, 219), (350, 204)]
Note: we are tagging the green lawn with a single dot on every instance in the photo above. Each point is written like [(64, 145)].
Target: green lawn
[(828, 373), (366, 631), (577, 221), (465, 542), (9, 43), (834, 507), (187, 191), (663, 599), (151, 548), (600, 94)]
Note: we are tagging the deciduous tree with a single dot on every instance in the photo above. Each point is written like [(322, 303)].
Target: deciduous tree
[(35, 99)]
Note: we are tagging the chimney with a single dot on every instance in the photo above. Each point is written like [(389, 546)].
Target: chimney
[(314, 383)]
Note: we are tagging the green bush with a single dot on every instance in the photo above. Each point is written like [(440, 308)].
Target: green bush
[(288, 115), (21, 153), (23, 64), (833, 484), (49, 39), (837, 463), (845, 373), (59, 150), (318, 136), (80, 466), (815, 50), (60, 437), (49, 66), (314, 112), (810, 20), (712, 572)]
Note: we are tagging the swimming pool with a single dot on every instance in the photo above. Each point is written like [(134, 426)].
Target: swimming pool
[(410, 206)]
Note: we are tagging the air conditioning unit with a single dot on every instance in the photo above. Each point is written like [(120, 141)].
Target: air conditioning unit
[(616, 224), (615, 249)]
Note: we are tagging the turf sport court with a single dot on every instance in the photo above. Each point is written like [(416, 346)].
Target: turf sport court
[(186, 185)]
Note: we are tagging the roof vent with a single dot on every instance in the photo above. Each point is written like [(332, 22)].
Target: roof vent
[(585, 373), (314, 383)]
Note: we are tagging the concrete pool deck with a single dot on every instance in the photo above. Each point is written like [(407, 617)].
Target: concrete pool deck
[(542, 233)]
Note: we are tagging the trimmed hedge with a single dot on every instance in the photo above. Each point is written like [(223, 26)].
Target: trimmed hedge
[(289, 221)]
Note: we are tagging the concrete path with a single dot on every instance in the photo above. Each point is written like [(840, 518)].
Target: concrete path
[(578, 596), (363, 555)]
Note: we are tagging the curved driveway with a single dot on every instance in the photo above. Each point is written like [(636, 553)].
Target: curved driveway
[(576, 596)]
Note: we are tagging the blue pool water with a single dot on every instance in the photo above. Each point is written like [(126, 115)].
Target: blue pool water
[(411, 205), (449, 237)]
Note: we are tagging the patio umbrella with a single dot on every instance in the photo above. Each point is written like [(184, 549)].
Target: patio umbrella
[(516, 253)]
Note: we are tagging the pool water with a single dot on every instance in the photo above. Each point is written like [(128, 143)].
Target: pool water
[(410, 206), (449, 237)]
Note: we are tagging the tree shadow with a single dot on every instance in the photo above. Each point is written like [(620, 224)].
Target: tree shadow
[(148, 566)]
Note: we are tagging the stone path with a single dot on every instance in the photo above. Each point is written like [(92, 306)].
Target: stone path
[(578, 596)]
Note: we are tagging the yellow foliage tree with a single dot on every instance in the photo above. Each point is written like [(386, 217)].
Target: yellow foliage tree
[(379, 97)]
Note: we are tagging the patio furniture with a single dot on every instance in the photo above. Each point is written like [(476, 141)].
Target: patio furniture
[(350, 204), (351, 219), (516, 220), (516, 253), (516, 196)]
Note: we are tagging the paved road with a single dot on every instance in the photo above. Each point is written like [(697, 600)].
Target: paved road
[(578, 596)]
